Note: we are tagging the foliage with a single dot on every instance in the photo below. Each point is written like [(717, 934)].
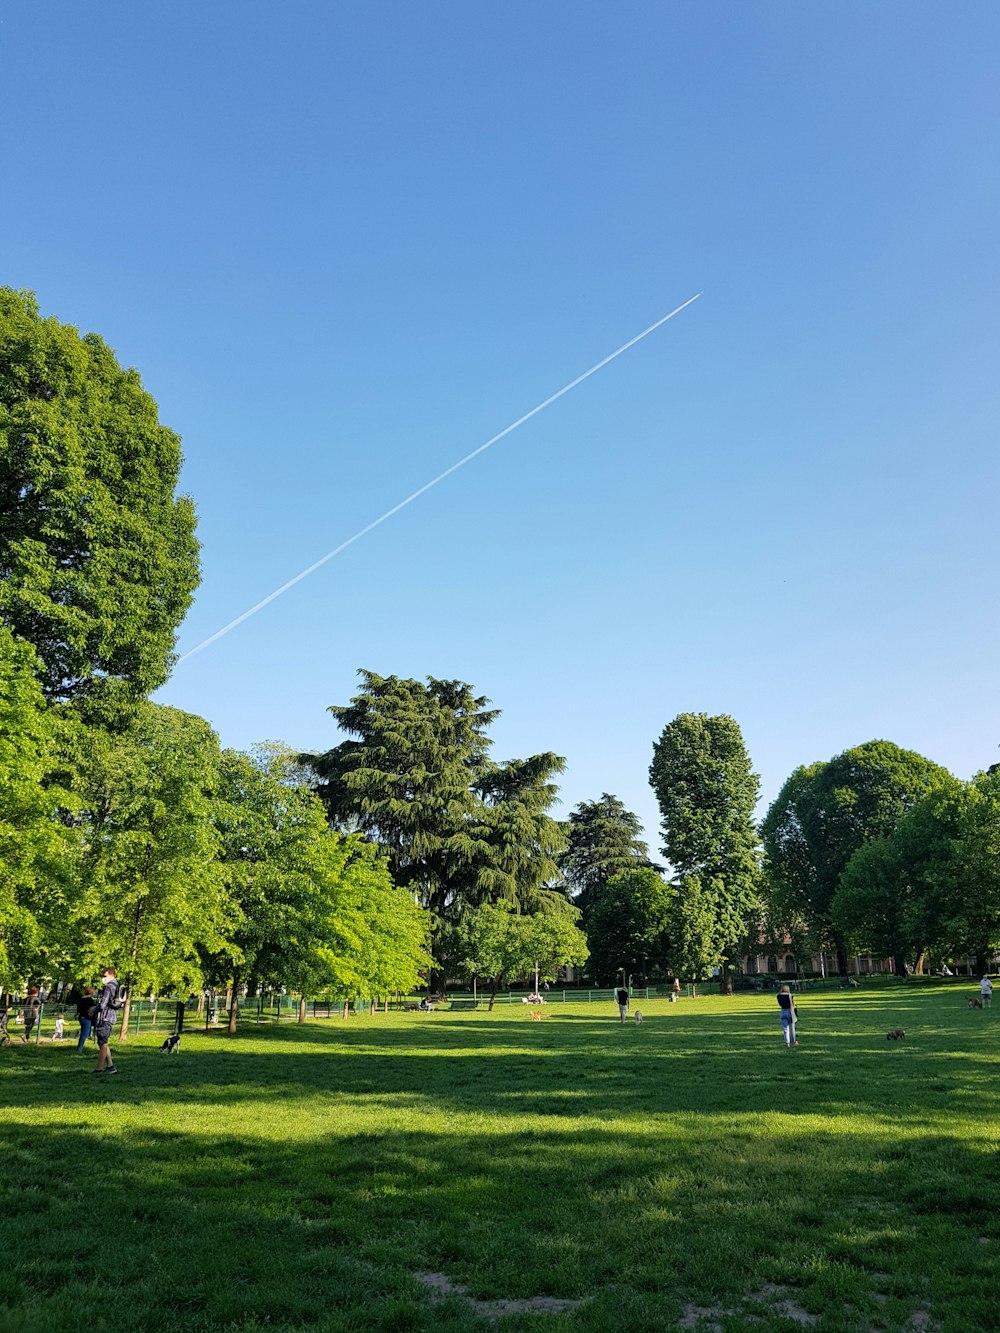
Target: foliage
[(707, 791), (503, 943), (457, 828), (151, 896), (34, 845), (310, 908), (604, 842), (629, 924), (825, 812), (98, 557)]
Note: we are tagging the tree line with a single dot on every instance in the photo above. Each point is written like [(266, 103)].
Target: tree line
[(406, 852)]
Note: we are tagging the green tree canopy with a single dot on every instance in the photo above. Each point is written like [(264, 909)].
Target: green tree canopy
[(707, 791), (98, 557), (417, 778), (604, 842), (824, 813), (35, 860), (628, 926), (152, 898)]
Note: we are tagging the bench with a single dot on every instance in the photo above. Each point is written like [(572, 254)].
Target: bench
[(464, 1004)]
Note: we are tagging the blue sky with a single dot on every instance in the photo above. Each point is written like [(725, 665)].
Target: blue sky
[(345, 244)]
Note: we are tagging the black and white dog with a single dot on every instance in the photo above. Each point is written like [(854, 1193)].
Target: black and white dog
[(172, 1045)]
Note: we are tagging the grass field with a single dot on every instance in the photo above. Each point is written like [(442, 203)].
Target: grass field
[(688, 1173)]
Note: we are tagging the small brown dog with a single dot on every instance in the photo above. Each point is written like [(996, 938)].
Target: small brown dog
[(897, 1034), (975, 1004)]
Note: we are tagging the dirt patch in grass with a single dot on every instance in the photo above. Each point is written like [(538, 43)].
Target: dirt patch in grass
[(441, 1285)]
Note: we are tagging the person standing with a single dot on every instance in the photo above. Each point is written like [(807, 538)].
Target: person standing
[(786, 1005), (986, 991), (32, 1008), (621, 998), (105, 1012), (84, 1004)]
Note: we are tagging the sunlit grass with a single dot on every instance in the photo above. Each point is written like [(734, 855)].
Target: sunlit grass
[(688, 1172)]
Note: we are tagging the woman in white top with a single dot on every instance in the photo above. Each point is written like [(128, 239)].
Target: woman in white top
[(986, 990)]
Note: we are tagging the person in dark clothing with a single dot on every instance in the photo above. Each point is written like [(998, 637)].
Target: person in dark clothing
[(32, 1008), (786, 1005), (104, 1014), (84, 1004), (621, 999)]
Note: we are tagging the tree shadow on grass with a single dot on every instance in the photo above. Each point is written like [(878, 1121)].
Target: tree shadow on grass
[(210, 1229)]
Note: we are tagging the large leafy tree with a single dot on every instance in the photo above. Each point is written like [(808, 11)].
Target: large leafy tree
[(151, 895), (502, 942), (417, 778), (311, 909), (604, 841), (707, 791), (824, 813), (947, 853), (98, 557), (628, 926), (35, 861)]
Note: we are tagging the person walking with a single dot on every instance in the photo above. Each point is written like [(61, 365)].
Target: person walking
[(786, 1006), (986, 991), (84, 1004), (621, 999), (104, 1013), (32, 1008)]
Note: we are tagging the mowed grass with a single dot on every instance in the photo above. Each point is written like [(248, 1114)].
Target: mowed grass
[(686, 1173)]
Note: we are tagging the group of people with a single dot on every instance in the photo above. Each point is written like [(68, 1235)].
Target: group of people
[(96, 1014)]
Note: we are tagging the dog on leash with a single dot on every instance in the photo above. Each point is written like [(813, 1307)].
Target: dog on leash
[(975, 1004), (172, 1045), (638, 1015), (897, 1034)]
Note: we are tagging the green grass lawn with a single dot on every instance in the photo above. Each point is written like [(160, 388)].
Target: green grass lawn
[(688, 1173)]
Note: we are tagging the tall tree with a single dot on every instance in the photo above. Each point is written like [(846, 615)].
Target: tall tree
[(824, 813), (35, 860), (98, 557), (310, 908), (417, 778), (628, 925), (707, 790), (502, 942), (948, 849), (152, 897), (604, 842)]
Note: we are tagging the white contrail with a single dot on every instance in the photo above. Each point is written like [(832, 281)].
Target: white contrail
[(220, 633)]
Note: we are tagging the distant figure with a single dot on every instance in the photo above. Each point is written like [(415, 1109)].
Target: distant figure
[(426, 1005), (104, 1014), (786, 1005), (621, 999), (59, 1033), (677, 987), (32, 1005), (986, 991), (84, 1004)]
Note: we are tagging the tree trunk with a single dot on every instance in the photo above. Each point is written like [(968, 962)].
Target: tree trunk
[(899, 965), (347, 1007), (980, 964), (918, 966), (302, 1008), (493, 994), (841, 957), (727, 978), (127, 1010)]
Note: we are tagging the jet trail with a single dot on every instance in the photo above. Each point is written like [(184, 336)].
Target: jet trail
[(362, 532)]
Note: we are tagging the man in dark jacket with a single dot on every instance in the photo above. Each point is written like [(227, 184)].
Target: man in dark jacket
[(105, 1012), (84, 1004)]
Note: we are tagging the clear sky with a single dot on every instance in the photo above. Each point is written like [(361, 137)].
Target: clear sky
[(346, 243)]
